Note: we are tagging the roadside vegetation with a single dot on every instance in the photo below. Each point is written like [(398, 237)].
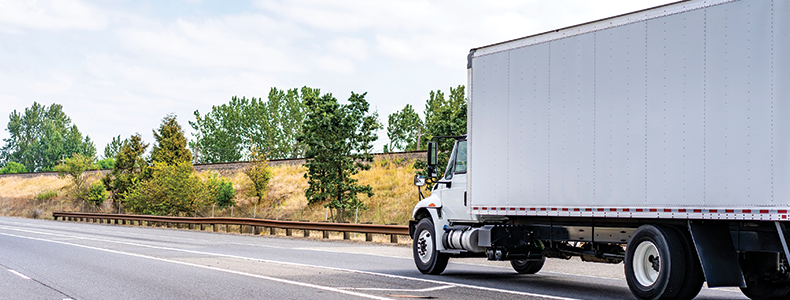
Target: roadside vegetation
[(339, 182)]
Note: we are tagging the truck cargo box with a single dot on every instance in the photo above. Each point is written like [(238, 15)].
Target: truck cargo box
[(681, 111)]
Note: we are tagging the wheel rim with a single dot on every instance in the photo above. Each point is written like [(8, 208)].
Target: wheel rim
[(425, 246), (646, 263)]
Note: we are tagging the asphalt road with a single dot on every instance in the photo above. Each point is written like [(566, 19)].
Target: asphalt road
[(67, 260)]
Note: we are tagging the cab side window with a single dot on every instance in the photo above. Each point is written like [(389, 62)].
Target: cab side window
[(460, 158)]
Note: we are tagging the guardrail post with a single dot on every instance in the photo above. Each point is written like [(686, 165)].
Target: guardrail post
[(288, 232), (325, 234), (346, 235), (256, 230), (394, 238), (368, 237), (272, 231), (191, 226), (202, 227), (227, 227), (214, 227), (306, 233), (241, 228)]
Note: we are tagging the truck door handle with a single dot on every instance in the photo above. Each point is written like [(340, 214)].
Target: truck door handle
[(464, 198)]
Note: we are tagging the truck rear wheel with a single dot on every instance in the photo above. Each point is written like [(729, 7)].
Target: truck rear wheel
[(528, 266), (426, 256), (655, 263)]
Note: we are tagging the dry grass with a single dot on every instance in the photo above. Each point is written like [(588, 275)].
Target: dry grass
[(391, 180)]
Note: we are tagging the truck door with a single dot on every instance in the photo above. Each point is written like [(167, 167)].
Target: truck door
[(454, 202)]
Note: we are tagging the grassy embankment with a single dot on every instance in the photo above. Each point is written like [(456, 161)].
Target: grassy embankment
[(391, 180)]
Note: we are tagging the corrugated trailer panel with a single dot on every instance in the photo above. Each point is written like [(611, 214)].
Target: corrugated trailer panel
[(620, 148), (684, 110), (491, 84), (570, 136), (781, 88), (676, 110), (528, 129), (738, 104)]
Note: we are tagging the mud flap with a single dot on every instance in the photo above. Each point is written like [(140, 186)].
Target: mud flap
[(717, 253)]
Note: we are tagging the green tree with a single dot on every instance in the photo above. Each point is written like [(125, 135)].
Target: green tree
[(338, 138), (130, 167), (171, 145), (403, 128), (97, 194), (230, 131), (260, 175), (104, 164), (42, 136), (13, 168), (74, 167), (113, 147), (443, 117), (221, 191), (172, 189), (220, 134)]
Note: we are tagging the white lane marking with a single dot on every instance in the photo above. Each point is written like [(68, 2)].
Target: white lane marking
[(461, 285), (19, 274), (286, 281), (436, 288)]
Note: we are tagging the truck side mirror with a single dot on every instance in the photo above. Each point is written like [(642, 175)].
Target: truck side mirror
[(419, 180), (433, 159)]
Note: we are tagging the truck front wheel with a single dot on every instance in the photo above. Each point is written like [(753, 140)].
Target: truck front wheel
[(655, 262), (426, 256)]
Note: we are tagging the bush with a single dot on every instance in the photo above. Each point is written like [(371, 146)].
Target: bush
[(222, 191), (13, 168), (96, 194), (172, 190), (46, 195), (104, 164)]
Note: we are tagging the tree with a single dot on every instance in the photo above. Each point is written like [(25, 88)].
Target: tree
[(171, 145), (260, 175), (403, 128), (338, 139), (74, 167), (443, 117), (230, 131), (172, 189), (13, 168), (221, 191), (96, 194), (130, 167), (104, 164), (42, 136), (113, 147)]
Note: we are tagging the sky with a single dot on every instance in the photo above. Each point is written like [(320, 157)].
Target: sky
[(118, 67)]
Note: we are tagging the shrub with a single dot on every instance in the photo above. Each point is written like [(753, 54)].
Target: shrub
[(222, 191), (171, 190), (13, 168), (46, 195), (104, 164), (96, 194)]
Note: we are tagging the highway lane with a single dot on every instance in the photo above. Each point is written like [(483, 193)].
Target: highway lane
[(66, 260)]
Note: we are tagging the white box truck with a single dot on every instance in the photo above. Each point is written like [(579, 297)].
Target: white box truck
[(659, 138)]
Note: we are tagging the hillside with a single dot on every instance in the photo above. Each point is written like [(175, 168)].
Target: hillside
[(391, 179)]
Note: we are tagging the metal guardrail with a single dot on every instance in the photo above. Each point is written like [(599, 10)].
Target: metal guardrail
[(255, 226)]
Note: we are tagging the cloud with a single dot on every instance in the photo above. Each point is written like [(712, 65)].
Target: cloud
[(51, 15)]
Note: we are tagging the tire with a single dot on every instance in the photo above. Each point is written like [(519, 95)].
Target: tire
[(426, 257), (524, 266), (655, 263), (763, 290), (695, 277)]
